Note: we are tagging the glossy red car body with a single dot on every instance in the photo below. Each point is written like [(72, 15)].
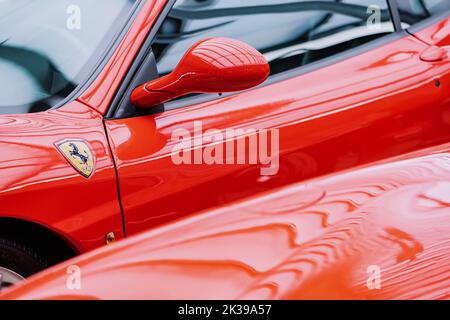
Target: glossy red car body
[(214, 72), (321, 239), (383, 102)]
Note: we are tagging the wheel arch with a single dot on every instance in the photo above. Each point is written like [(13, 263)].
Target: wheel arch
[(56, 247)]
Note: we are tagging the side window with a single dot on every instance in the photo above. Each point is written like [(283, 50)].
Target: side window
[(414, 11), (290, 33)]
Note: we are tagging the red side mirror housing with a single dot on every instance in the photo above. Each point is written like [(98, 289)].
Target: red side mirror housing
[(213, 65)]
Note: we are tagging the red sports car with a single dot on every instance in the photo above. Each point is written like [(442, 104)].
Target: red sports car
[(122, 115), (379, 232)]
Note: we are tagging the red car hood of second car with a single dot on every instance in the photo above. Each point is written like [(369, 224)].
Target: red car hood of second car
[(323, 239)]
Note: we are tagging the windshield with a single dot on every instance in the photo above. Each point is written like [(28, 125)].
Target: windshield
[(47, 47)]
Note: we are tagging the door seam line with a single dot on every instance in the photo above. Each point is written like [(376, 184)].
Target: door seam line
[(116, 171)]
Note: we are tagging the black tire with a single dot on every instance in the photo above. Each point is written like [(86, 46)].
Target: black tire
[(21, 258)]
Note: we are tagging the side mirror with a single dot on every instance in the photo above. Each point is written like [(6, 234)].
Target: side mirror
[(213, 65)]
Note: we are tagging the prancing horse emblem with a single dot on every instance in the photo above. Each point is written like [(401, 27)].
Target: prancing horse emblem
[(79, 156)]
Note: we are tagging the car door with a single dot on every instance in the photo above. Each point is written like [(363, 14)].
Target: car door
[(347, 87)]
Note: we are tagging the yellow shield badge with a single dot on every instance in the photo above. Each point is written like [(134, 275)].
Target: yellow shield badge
[(78, 154)]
